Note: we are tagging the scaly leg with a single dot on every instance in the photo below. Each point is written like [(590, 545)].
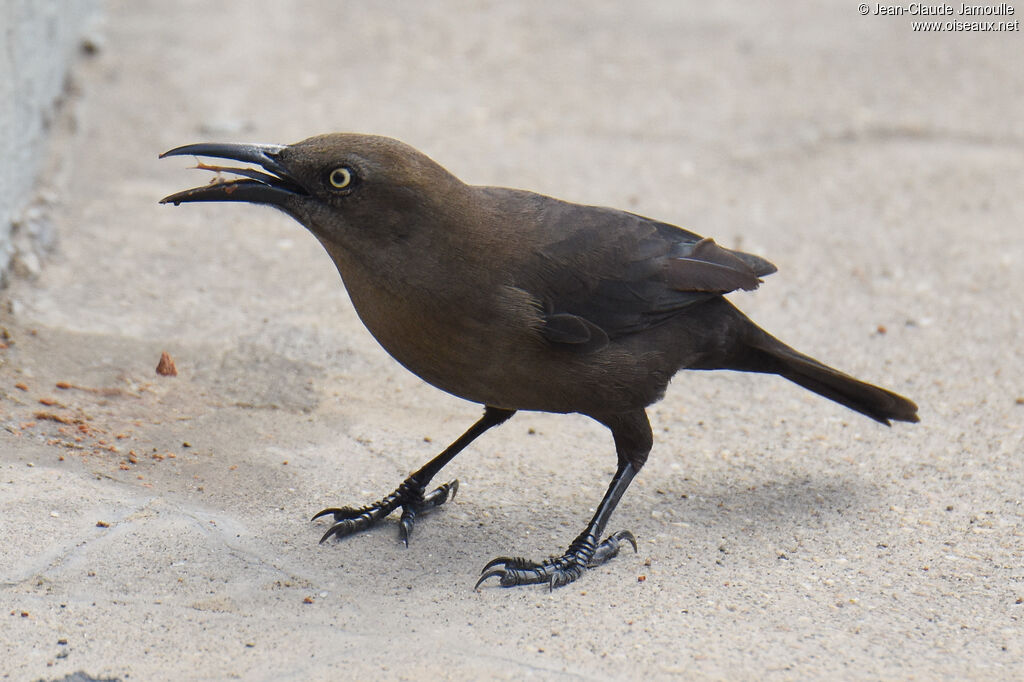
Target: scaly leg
[(633, 440), (410, 493)]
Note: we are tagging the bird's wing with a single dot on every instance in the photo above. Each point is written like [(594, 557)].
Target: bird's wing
[(604, 273)]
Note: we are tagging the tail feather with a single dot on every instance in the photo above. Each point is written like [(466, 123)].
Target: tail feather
[(771, 355)]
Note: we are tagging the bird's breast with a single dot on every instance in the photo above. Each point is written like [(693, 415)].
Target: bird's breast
[(467, 342)]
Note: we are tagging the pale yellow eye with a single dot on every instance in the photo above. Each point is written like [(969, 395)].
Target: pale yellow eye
[(340, 178)]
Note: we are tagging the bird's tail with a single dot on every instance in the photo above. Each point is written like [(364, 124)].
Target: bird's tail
[(765, 353)]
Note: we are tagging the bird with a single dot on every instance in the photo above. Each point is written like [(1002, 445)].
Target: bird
[(519, 301)]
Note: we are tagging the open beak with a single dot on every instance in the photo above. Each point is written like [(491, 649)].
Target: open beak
[(272, 185)]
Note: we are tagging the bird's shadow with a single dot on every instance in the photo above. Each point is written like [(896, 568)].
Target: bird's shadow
[(779, 503)]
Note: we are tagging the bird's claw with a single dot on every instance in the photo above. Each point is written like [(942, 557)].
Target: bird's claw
[(409, 496), (556, 571), (609, 549), (423, 503)]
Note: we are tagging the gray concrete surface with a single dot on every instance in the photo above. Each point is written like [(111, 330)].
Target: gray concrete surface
[(39, 40), (158, 527)]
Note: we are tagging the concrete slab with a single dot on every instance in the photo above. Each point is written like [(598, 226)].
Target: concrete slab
[(157, 527)]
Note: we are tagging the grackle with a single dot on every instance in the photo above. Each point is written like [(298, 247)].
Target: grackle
[(519, 301)]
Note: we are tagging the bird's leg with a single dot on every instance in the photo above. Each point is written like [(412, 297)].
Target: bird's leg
[(584, 552), (410, 494), (633, 439)]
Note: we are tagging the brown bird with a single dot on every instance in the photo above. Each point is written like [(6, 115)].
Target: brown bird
[(519, 301)]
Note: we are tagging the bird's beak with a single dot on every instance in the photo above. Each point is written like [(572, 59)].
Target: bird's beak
[(272, 185)]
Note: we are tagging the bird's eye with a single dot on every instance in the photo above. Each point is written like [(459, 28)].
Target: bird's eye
[(340, 177)]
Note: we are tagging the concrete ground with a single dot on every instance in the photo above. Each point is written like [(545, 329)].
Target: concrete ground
[(158, 527)]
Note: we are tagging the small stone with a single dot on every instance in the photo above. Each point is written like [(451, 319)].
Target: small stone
[(165, 367)]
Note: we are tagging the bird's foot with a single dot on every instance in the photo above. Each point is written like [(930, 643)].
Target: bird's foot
[(409, 496), (583, 553)]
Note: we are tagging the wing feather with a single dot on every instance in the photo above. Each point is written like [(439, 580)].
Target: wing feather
[(600, 274)]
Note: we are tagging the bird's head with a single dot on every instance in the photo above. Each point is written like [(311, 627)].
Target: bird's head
[(343, 187)]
